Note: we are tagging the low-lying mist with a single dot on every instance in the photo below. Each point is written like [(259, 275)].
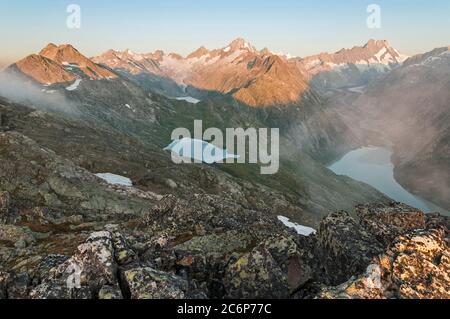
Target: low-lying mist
[(21, 90)]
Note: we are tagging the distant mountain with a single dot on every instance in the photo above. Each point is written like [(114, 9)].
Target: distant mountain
[(352, 67), (69, 57), (59, 64), (258, 78), (129, 61), (373, 52), (42, 69)]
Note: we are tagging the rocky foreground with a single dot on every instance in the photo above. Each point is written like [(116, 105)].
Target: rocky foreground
[(211, 248)]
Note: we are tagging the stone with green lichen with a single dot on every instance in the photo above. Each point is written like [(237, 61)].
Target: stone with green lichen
[(20, 237), (256, 275), (228, 242), (110, 292), (148, 283)]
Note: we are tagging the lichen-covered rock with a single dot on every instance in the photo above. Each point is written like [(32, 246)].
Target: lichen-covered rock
[(387, 221), (294, 261), (5, 200), (110, 292), (203, 213), (123, 253), (49, 262), (256, 275), (204, 258), (346, 248), (92, 266), (221, 244), (20, 237), (58, 289), (4, 278), (438, 221), (18, 286), (148, 283), (367, 286), (416, 266), (419, 265)]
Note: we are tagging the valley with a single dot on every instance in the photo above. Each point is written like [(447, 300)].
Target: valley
[(373, 166)]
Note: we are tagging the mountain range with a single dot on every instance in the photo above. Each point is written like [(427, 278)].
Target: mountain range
[(256, 78)]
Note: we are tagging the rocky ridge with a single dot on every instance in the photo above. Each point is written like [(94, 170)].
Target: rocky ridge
[(258, 78), (187, 250), (59, 64)]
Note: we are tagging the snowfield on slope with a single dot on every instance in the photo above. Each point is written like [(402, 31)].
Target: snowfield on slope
[(300, 229), (188, 99), (74, 86), (115, 179)]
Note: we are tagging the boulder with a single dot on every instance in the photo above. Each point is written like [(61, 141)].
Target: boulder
[(110, 292), (123, 253), (388, 221), (294, 261), (416, 266), (148, 283), (256, 275), (85, 273), (346, 248)]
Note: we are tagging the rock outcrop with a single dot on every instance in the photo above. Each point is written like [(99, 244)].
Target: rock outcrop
[(390, 251), (416, 266)]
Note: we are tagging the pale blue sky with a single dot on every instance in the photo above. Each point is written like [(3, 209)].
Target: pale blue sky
[(291, 26)]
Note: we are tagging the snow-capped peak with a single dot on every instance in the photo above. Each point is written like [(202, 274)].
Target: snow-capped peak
[(239, 44)]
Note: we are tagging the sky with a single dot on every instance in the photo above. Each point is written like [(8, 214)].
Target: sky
[(298, 27)]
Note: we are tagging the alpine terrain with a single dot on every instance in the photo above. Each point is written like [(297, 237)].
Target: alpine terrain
[(87, 188)]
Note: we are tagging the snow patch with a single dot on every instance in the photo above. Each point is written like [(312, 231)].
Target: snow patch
[(380, 54), (301, 230), (357, 89), (67, 64), (74, 86), (188, 99), (115, 179)]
